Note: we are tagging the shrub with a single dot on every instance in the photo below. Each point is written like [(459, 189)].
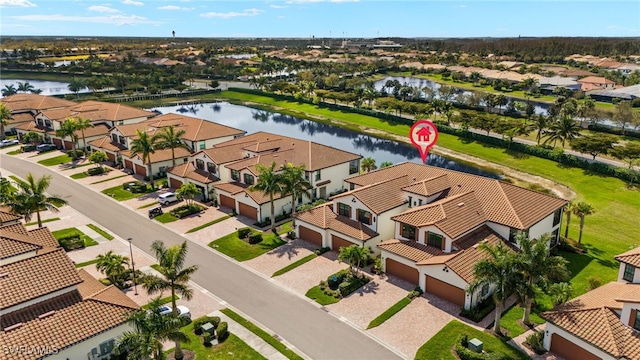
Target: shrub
[(344, 288), (95, 171), (197, 323), (535, 342), (322, 250), (464, 340), (71, 242), (206, 339), (255, 238), (415, 293), (78, 153), (377, 266), (594, 282), (243, 232), (478, 312), (291, 235), (222, 331), (282, 217), (186, 210)]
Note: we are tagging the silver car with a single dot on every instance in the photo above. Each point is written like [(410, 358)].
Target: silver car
[(183, 311)]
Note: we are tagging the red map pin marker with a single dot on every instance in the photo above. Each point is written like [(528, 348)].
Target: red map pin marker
[(423, 135)]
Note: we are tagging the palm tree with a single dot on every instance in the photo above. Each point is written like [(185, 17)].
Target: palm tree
[(188, 192), (75, 85), (5, 115), (32, 138), (354, 255), (81, 124), (294, 184), (538, 268), (150, 330), (6, 190), (368, 164), (98, 157), (540, 124), (498, 270), (568, 209), (25, 87), (563, 129), (560, 292), (582, 210), (175, 277), (385, 164), (68, 128), (269, 183), (144, 145), (169, 138), (9, 90), (113, 267), (31, 198)]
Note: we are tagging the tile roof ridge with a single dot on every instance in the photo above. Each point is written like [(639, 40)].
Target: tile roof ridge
[(195, 136), (513, 211), (368, 186), (93, 297), (609, 329), (40, 254)]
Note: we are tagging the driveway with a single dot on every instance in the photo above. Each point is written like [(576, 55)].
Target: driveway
[(281, 256), (206, 235), (308, 275)]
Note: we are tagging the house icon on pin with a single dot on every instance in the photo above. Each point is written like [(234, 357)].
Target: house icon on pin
[(424, 133)]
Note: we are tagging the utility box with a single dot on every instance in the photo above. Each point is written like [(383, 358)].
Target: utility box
[(208, 328), (475, 345)]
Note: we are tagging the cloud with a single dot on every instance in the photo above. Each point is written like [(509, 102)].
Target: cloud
[(103, 9), (117, 20), (278, 6), (173, 7), (232, 14), (133, 2), (18, 3)]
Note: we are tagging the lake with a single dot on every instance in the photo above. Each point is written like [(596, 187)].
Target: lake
[(254, 120), (47, 87)]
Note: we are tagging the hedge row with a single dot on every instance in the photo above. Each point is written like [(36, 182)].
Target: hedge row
[(615, 131)]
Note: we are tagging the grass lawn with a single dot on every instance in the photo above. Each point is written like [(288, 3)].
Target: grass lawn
[(15, 152), (232, 348), (394, 309), (510, 319), (73, 231), (75, 166), (43, 221), (104, 234), (284, 228), (86, 263), (57, 160), (440, 345), (318, 295), (240, 250), (262, 334), (164, 300), (200, 227), (165, 218), (80, 175), (120, 194), (148, 205), (295, 264), (109, 179)]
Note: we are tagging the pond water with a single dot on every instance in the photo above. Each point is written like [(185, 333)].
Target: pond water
[(47, 87), (253, 120)]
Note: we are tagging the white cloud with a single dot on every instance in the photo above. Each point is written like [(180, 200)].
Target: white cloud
[(173, 7), (133, 2), (103, 9), (19, 3), (232, 14), (117, 20), (278, 6)]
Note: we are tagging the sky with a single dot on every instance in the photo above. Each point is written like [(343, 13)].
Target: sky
[(320, 18)]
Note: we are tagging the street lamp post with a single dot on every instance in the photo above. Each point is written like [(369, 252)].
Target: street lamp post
[(133, 267)]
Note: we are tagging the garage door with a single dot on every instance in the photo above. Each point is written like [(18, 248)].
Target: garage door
[(175, 183), (128, 164), (248, 211), (227, 201), (311, 236), (338, 242), (141, 170), (57, 142), (111, 157), (402, 271), (446, 291), (68, 145), (568, 350)]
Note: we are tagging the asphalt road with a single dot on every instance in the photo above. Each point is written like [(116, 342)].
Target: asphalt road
[(310, 329)]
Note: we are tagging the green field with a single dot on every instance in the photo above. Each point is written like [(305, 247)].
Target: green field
[(240, 250)]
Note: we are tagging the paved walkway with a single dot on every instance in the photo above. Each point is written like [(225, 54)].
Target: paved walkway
[(518, 342)]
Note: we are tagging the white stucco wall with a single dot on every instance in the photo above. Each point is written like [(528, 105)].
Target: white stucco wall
[(636, 275), (387, 227), (81, 350), (208, 143), (264, 211), (202, 156), (551, 329), (544, 226), (336, 174), (435, 271), (400, 259), (500, 229), (355, 205)]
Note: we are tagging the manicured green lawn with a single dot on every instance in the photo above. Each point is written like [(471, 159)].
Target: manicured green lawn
[(148, 205), (80, 175), (62, 159), (394, 309), (284, 228), (73, 231), (104, 234), (86, 263), (295, 264), (510, 319), (319, 296), (261, 334), (165, 218), (232, 348), (120, 194), (236, 248), (440, 345), (15, 152), (200, 227), (43, 221)]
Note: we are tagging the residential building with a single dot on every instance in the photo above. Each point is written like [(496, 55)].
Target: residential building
[(427, 222), (596, 82), (25, 107), (50, 309), (603, 323), (627, 93), (627, 69)]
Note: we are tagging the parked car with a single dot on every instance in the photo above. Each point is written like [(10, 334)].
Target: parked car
[(156, 211), (9, 142), (183, 311), (45, 147), (167, 198)]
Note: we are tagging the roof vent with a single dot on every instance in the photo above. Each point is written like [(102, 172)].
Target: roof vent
[(13, 327), (4, 275), (47, 314), (460, 204)]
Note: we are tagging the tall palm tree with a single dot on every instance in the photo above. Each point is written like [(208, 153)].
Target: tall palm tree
[(568, 209), (498, 270), (270, 183), (113, 266), (354, 255), (150, 330), (563, 129), (68, 128), (31, 198), (175, 277), (540, 124), (81, 124), (169, 138), (582, 210), (538, 268), (144, 145), (294, 184), (368, 164), (9, 90), (5, 115), (25, 87)]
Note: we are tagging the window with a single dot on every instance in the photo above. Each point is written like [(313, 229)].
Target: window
[(121, 122), (364, 217), (434, 240), (235, 175), (317, 175), (200, 164), (557, 216), (47, 123), (202, 145), (555, 237), (106, 347), (636, 321), (485, 290), (419, 202), (314, 194), (410, 200), (408, 232), (344, 210), (354, 167), (114, 138), (211, 167), (352, 186), (121, 139), (248, 179), (40, 122), (629, 273), (307, 176)]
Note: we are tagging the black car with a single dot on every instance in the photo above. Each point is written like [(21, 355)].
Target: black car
[(45, 147), (153, 212)]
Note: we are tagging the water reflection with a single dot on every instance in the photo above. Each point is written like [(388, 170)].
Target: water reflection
[(253, 120), (47, 87)]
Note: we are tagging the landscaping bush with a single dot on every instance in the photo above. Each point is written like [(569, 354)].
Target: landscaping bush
[(206, 339), (78, 153), (291, 235), (71, 243), (322, 250), (186, 210), (255, 238), (197, 323), (222, 331), (243, 232), (282, 217), (594, 282), (265, 223), (478, 312), (333, 281), (96, 171), (535, 342), (415, 293), (135, 187)]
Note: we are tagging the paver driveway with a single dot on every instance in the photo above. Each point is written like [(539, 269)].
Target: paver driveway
[(281, 256), (308, 275)]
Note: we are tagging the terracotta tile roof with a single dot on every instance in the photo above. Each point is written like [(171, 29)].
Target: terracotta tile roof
[(20, 118), (16, 228), (380, 197), (96, 130), (31, 126), (318, 216), (106, 144), (160, 154), (231, 187), (44, 237), (258, 147), (15, 240), (32, 312), (454, 215), (223, 153), (129, 130), (464, 262), (603, 296), (502, 203), (475, 236), (323, 217), (22, 102), (30, 271), (10, 247), (590, 86), (430, 186), (99, 111), (235, 188), (595, 80), (187, 170), (89, 284), (410, 249), (195, 129), (6, 216), (631, 257)]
